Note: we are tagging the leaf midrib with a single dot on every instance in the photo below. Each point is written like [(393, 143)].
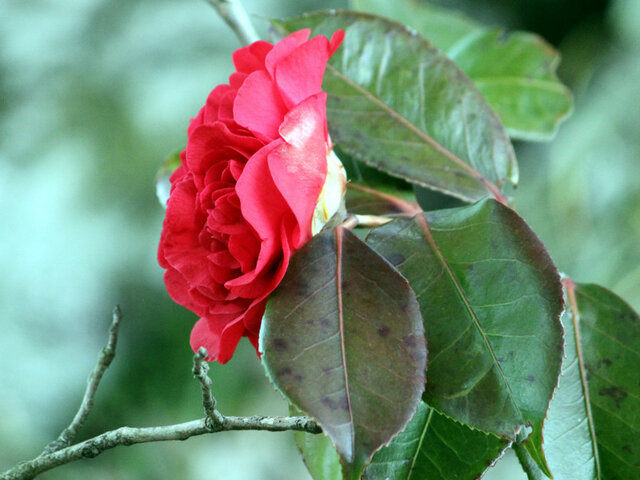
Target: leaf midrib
[(422, 435), (575, 318), (422, 221), (410, 126), (339, 240)]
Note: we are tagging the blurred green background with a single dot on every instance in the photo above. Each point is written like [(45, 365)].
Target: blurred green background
[(94, 94)]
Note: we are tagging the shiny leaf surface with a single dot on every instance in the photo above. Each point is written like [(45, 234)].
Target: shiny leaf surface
[(399, 104), (491, 299), (515, 72), (431, 447), (342, 339), (594, 419), (434, 447)]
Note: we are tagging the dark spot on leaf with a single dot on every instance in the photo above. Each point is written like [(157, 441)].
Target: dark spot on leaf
[(329, 403), (298, 377), (284, 371), (384, 331), (324, 321), (500, 359), (395, 258), (279, 344), (406, 308), (616, 393), (410, 341), (530, 378), (302, 288), (511, 353), (626, 449), (606, 362)]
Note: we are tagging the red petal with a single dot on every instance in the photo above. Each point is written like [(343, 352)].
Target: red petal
[(220, 340), (251, 58), (178, 290), (181, 207), (284, 47), (258, 106), (209, 143), (261, 203), (299, 165), (299, 75), (336, 40)]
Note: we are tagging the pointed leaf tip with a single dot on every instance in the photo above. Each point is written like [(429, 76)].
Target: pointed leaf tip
[(342, 339)]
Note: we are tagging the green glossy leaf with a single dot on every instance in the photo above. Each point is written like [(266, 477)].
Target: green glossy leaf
[(434, 447), (431, 447), (343, 340), (491, 299), (318, 454), (163, 186), (516, 72), (594, 419), (398, 104), (567, 438)]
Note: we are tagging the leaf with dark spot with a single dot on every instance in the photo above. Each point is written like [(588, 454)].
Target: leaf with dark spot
[(490, 327), (355, 373), (594, 418)]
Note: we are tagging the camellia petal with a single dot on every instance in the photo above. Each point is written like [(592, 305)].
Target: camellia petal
[(251, 58), (283, 48), (261, 202), (299, 165), (309, 57), (243, 199), (221, 342), (258, 106)]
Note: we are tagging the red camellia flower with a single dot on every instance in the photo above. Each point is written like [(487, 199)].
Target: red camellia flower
[(258, 178)]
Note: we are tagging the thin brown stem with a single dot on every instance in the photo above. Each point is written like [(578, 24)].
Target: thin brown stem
[(400, 203)]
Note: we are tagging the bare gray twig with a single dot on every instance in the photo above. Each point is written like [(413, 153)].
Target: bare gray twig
[(60, 452), (104, 360), (234, 14), (201, 371), (130, 436)]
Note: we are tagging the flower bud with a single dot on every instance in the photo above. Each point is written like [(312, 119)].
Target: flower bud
[(332, 195)]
